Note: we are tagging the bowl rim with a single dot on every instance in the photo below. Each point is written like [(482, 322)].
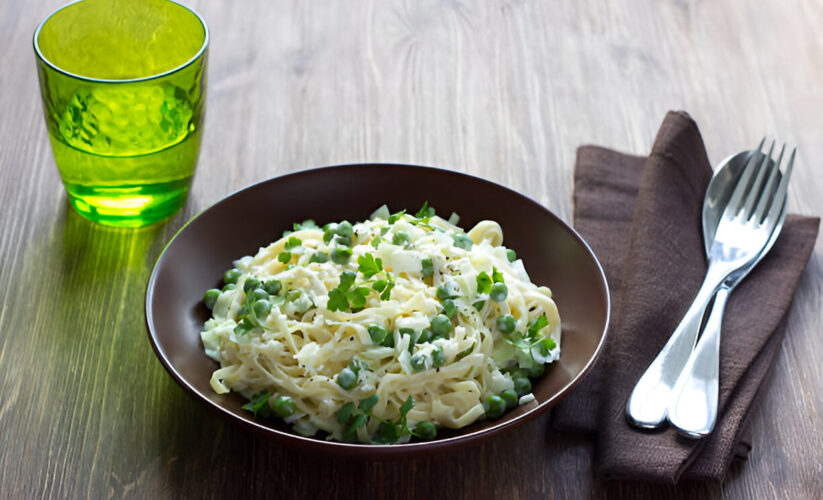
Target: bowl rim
[(364, 450)]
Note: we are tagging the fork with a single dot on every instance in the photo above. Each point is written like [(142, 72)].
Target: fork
[(693, 407), (743, 231)]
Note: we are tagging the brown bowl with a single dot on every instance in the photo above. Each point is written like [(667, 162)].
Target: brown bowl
[(195, 259)]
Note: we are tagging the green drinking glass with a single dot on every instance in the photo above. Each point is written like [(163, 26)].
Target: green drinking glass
[(124, 89)]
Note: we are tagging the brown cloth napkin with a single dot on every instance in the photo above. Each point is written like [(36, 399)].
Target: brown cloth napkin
[(642, 218)]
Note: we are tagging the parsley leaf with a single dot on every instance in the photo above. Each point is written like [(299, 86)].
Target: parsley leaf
[(259, 404), (484, 283), (396, 216), (337, 301), (292, 243), (546, 345), (497, 277), (346, 280), (284, 257), (537, 324), (426, 212), (387, 432), (368, 403), (244, 326), (426, 267), (407, 405), (344, 413), (386, 295), (368, 265), (357, 297), (319, 257)]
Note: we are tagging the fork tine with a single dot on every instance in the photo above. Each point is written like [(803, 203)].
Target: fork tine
[(780, 196), (733, 207), (756, 192), (769, 189)]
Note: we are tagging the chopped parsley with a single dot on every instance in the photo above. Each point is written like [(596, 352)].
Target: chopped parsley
[(388, 431), (368, 265), (484, 283)]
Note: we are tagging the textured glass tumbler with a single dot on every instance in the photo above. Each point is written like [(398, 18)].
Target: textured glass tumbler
[(124, 88)]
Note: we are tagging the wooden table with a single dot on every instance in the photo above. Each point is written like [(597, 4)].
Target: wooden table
[(503, 89)]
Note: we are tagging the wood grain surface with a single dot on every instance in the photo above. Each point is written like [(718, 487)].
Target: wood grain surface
[(502, 89)]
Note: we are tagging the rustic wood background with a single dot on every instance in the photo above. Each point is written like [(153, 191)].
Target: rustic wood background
[(503, 89)]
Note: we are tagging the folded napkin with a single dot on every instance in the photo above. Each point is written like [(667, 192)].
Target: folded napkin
[(642, 218)]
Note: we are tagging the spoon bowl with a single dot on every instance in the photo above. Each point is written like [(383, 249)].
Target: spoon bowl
[(720, 190)]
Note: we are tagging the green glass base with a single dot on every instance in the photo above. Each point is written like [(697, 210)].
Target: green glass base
[(128, 206)]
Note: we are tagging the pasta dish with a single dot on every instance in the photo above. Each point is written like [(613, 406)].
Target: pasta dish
[(381, 331)]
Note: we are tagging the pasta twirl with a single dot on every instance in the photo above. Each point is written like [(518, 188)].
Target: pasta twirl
[(383, 330)]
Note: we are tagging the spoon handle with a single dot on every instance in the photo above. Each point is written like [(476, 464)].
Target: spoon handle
[(649, 401), (693, 407)]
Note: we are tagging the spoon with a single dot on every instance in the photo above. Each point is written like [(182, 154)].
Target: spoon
[(693, 407), (648, 404)]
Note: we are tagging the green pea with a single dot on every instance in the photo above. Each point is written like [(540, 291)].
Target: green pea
[(511, 255), (506, 323), (341, 255), (495, 406), (438, 357), (343, 240), (536, 370), (345, 229), (449, 309), (329, 230), (426, 267), (210, 297), (510, 397), (499, 292), (284, 406), (462, 241), (231, 276), (425, 430), (441, 325), (250, 284), (320, 257), (257, 294), (230, 286), (347, 379), (400, 238), (377, 333), (272, 287), (522, 385), (425, 336), (388, 341), (262, 308), (412, 336), (443, 293), (418, 362)]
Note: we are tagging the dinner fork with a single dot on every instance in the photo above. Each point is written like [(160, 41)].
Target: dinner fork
[(693, 407), (743, 231)]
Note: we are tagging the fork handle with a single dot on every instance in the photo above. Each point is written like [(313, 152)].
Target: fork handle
[(693, 407), (649, 401)]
